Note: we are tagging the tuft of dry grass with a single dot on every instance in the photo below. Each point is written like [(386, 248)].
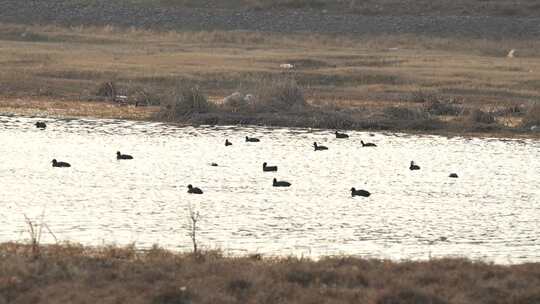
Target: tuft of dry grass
[(76, 274), (184, 102), (532, 116), (478, 116)]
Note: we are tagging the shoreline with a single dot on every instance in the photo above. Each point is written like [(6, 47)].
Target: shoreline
[(64, 108)]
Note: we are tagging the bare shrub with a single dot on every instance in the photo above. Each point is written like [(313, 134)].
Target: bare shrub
[(479, 116), (532, 116), (183, 102), (193, 219), (274, 95), (107, 90), (35, 232)]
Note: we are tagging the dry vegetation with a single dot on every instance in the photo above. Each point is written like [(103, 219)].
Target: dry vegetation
[(75, 274), (392, 82)]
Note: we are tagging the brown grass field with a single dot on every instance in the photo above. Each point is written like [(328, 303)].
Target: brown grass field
[(365, 75), (75, 274)]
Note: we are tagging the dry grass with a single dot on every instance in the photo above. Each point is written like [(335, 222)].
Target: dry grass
[(69, 108), (355, 78), (532, 116), (74, 274)]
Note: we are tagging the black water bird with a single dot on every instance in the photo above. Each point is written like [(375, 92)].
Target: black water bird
[(40, 125), (252, 139), (214, 164), (341, 135), (453, 175), (194, 190), (227, 143), (123, 156), (360, 192), (414, 166), (277, 183), (319, 148), (367, 144), (269, 168), (58, 164)]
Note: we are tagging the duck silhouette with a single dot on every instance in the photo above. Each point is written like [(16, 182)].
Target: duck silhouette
[(60, 164), (252, 139), (367, 144), (360, 192), (269, 168), (194, 190), (227, 143), (319, 148), (414, 166), (40, 125), (453, 175), (277, 183), (123, 156), (341, 135)]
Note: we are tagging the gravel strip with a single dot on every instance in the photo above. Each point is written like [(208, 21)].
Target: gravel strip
[(104, 12)]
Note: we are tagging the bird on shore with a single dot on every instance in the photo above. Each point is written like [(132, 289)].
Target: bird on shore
[(269, 168), (194, 190), (40, 125), (414, 166), (123, 156), (319, 148), (227, 143), (367, 144), (341, 135), (60, 164), (252, 139), (276, 183), (453, 175), (360, 192)]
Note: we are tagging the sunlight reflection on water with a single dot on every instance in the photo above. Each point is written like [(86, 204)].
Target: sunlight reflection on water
[(491, 211)]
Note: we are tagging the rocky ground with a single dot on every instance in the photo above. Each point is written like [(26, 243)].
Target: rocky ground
[(102, 12)]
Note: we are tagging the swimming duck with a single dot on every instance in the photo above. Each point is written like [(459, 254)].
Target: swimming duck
[(453, 175), (214, 164), (413, 166), (363, 193), (252, 139), (194, 190), (341, 135), (60, 164), (123, 156), (269, 168), (227, 143), (367, 144), (277, 183), (40, 125), (319, 148)]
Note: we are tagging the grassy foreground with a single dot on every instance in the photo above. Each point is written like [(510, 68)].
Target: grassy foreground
[(75, 274)]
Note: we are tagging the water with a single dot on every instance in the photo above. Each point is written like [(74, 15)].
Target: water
[(491, 211)]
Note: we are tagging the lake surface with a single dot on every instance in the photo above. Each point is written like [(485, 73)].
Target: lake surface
[(492, 211)]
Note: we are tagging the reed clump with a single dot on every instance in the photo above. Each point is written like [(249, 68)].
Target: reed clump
[(532, 116)]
